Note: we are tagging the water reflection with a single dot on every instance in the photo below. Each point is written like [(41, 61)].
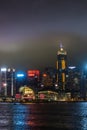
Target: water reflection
[(64, 116), (20, 113), (4, 116), (82, 115)]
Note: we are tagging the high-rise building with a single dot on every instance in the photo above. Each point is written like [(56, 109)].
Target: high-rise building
[(21, 80), (3, 82), (7, 81), (10, 78), (61, 67), (74, 81), (33, 77)]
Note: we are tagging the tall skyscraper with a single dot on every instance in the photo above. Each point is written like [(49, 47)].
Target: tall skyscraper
[(7, 81), (33, 77), (3, 82), (74, 81), (21, 80), (61, 67), (10, 77)]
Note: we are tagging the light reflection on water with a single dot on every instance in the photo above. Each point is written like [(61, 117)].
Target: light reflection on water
[(82, 115), (19, 117), (64, 116)]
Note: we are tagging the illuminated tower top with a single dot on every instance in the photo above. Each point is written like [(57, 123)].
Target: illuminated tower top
[(61, 51), (61, 67)]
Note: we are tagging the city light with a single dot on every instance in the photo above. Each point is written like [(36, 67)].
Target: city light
[(72, 67), (20, 75), (4, 84), (86, 67), (44, 75), (9, 70), (3, 69), (32, 73)]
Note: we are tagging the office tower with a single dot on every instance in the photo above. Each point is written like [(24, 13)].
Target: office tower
[(10, 79), (21, 80), (74, 81), (3, 82), (33, 77), (7, 78), (48, 78), (61, 67)]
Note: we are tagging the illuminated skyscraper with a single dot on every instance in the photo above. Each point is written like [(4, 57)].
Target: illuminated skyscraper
[(33, 77), (3, 81), (7, 77), (61, 67), (10, 78), (21, 80)]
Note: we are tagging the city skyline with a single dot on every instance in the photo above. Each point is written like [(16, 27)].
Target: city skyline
[(31, 31)]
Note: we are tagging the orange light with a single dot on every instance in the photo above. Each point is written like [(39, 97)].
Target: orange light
[(63, 64), (31, 75), (63, 77), (44, 75)]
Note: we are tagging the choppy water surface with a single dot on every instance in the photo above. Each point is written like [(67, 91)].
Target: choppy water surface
[(51, 116)]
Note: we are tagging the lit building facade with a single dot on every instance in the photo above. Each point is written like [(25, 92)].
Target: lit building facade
[(33, 77), (21, 80), (33, 74), (74, 81), (61, 67), (48, 78), (7, 82), (3, 82), (10, 78), (47, 81)]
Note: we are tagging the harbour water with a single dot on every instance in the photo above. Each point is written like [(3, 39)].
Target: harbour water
[(43, 116)]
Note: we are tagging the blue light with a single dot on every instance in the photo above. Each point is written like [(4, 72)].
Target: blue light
[(20, 75), (86, 66)]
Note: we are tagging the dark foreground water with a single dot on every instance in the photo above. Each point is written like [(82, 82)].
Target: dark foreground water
[(51, 116)]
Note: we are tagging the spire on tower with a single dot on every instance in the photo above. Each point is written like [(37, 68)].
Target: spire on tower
[(61, 49), (61, 46)]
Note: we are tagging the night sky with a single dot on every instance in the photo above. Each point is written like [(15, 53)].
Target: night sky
[(31, 31)]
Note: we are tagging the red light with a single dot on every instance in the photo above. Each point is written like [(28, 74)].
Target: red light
[(17, 96), (32, 73)]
